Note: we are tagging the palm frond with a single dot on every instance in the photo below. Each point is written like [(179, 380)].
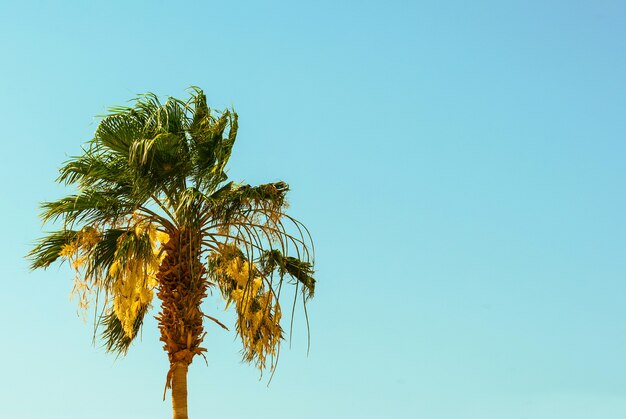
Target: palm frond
[(94, 168), (90, 206), (113, 335), (297, 269), (117, 132), (49, 248), (232, 200)]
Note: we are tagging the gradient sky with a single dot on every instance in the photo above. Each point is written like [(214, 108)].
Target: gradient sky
[(459, 163)]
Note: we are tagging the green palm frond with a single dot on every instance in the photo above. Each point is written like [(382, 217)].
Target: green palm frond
[(49, 248), (118, 132), (113, 335), (103, 256), (274, 260), (92, 168), (90, 206)]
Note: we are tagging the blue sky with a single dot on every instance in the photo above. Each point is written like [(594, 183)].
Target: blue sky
[(460, 165)]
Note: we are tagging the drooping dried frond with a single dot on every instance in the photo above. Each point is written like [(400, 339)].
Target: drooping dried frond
[(133, 272), (121, 263), (257, 306), (114, 335), (256, 248)]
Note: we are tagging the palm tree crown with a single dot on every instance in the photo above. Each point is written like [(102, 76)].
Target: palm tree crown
[(154, 212)]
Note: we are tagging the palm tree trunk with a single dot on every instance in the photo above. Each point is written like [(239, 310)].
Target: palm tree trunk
[(179, 390), (182, 287)]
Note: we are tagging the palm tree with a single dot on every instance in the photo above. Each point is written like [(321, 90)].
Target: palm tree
[(153, 212)]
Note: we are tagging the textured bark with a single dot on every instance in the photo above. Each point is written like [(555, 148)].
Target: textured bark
[(182, 287)]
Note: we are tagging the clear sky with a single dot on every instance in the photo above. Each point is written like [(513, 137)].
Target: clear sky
[(459, 163)]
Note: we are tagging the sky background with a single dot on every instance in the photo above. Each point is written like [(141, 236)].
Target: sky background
[(460, 165)]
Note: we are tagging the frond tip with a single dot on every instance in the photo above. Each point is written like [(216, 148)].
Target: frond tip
[(48, 249), (250, 286), (297, 269), (114, 334)]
